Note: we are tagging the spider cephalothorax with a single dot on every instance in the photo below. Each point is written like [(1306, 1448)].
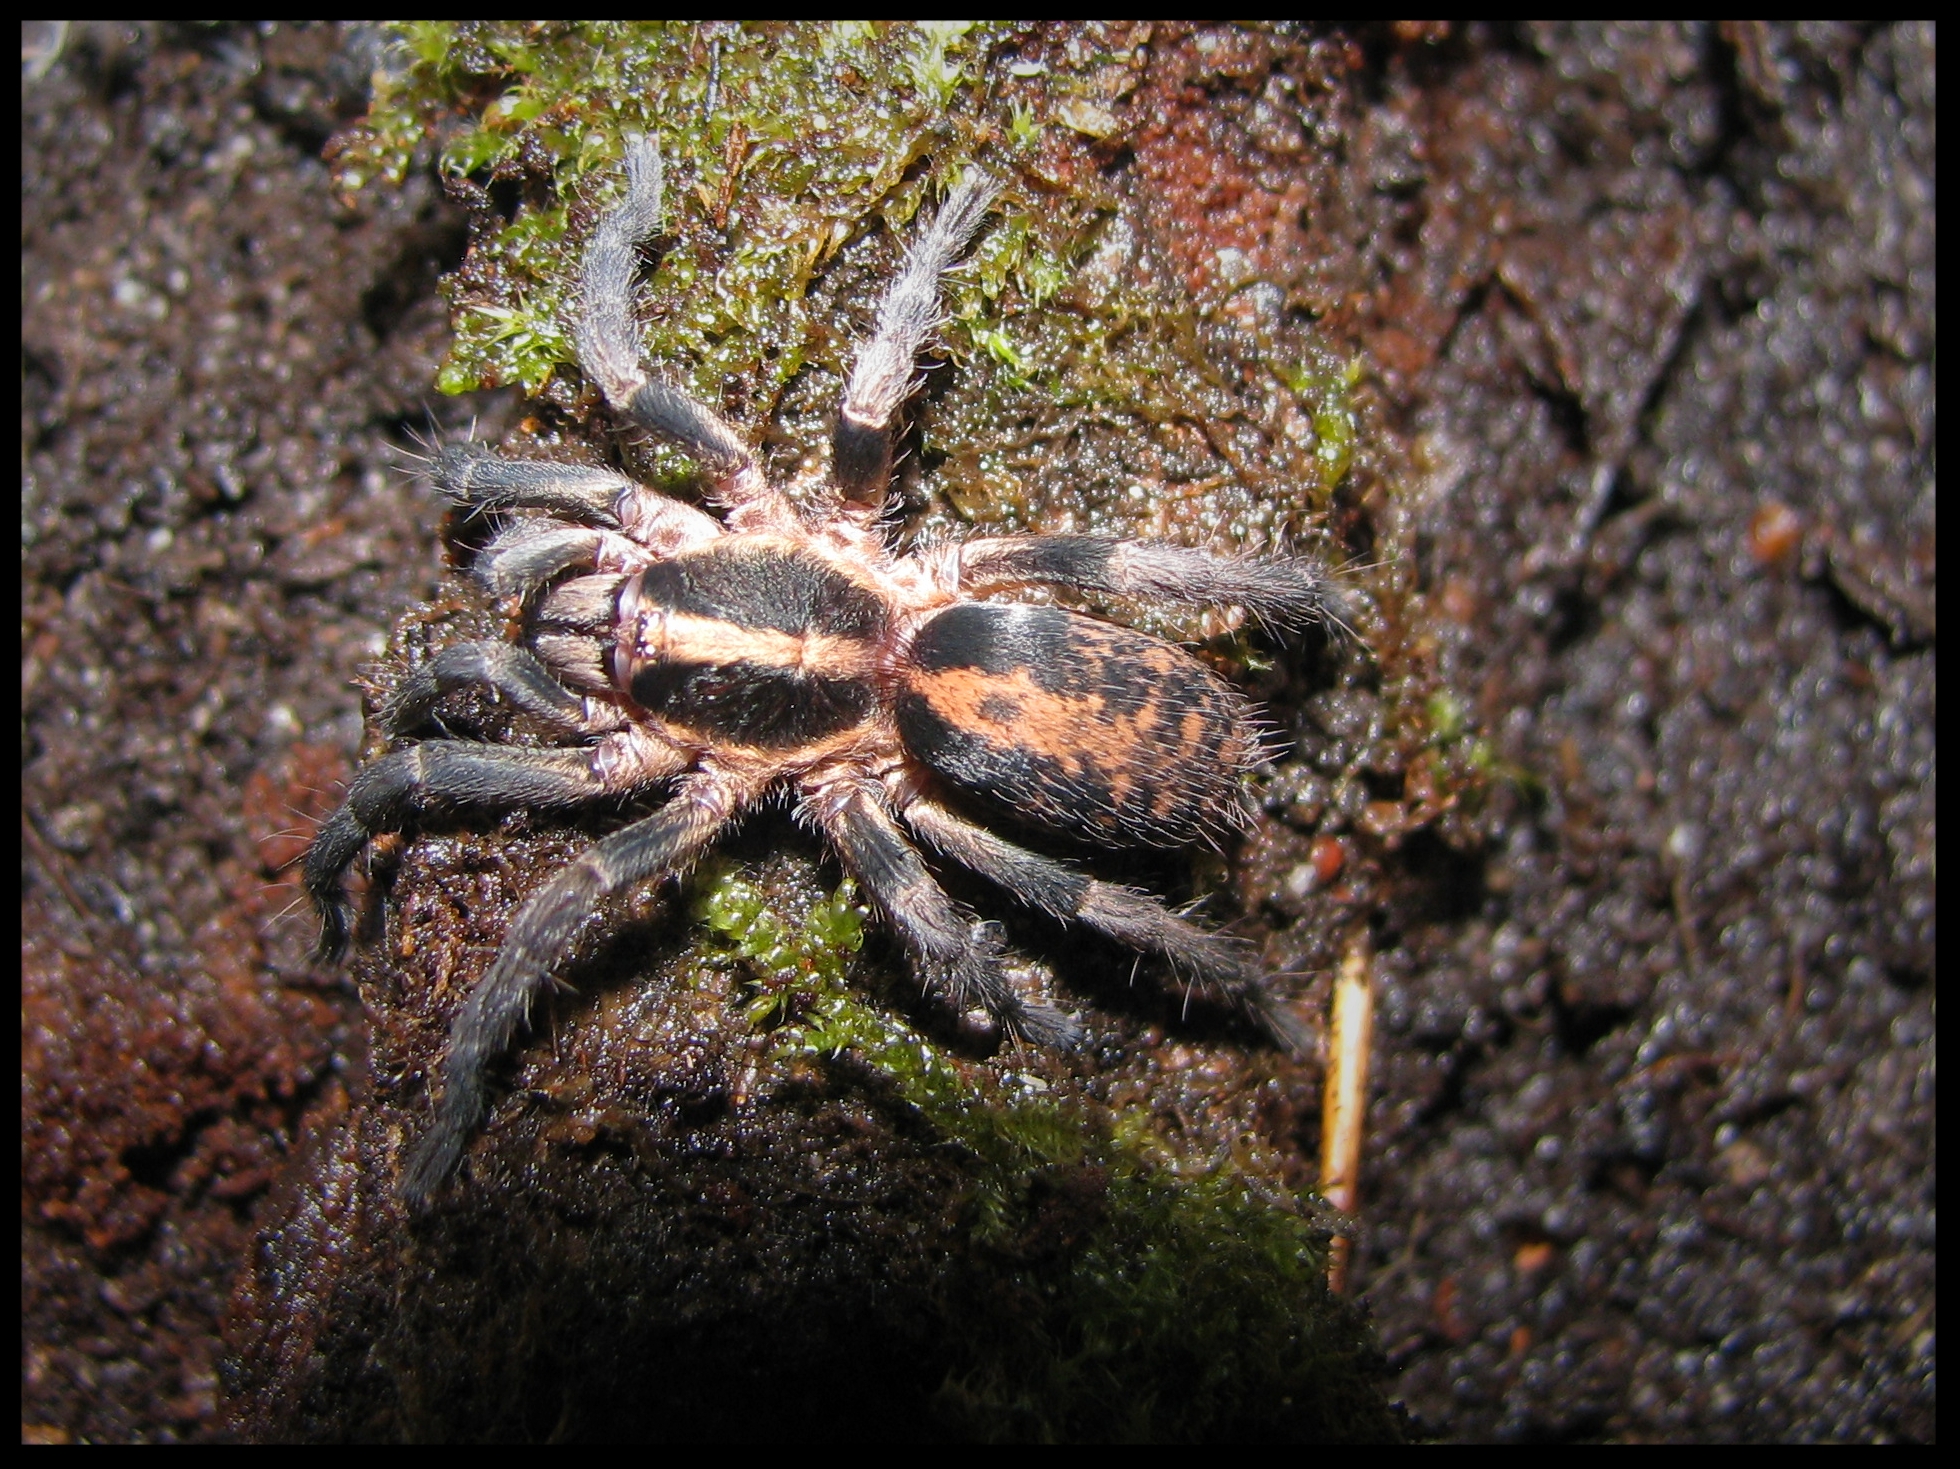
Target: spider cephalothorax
[(785, 644)]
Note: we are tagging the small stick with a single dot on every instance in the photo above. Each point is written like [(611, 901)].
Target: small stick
[(1345, 1104)]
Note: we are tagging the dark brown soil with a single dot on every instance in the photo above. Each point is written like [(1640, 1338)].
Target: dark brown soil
[(1650, 314)]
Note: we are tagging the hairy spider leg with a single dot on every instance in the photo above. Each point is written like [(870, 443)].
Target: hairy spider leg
[(609, 346), (632, 522), (514, 674), (478, 478), (607, 336), (950, 950), (522, 557), (392, 791), (886, 369), (1135, 920), (664, 843), (1285, 591)]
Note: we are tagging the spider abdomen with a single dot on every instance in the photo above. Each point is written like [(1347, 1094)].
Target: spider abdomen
[(752, 641), (1090, 730)]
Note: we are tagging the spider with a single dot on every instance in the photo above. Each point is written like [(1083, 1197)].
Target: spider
[(787, 645)]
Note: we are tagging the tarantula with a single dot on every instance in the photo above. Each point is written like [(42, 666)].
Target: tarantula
[(788, 645)]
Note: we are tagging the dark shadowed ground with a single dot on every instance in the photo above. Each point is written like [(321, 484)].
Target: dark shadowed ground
[(1648, 318)]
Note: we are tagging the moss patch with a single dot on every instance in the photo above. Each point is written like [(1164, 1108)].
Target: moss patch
[(796, 155), (1114, 1262)]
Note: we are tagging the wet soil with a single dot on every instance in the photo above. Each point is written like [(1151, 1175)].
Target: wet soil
[(1649, 315)]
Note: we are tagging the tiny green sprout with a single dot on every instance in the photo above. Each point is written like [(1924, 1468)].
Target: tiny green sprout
[(787, 948), (934, 72), (1022, 127), (1334, 425), (999, 346), (1447, 718)]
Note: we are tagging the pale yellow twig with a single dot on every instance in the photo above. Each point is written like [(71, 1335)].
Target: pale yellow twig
[(1345, 1105)]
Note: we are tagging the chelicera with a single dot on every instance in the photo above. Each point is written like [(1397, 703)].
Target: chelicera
[(783, 643)]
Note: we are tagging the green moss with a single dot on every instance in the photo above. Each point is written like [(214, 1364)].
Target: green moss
[(1189, 1308), (781, 145), (1202, 1275), (796, 155), (792, 950), (1448, 719)]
